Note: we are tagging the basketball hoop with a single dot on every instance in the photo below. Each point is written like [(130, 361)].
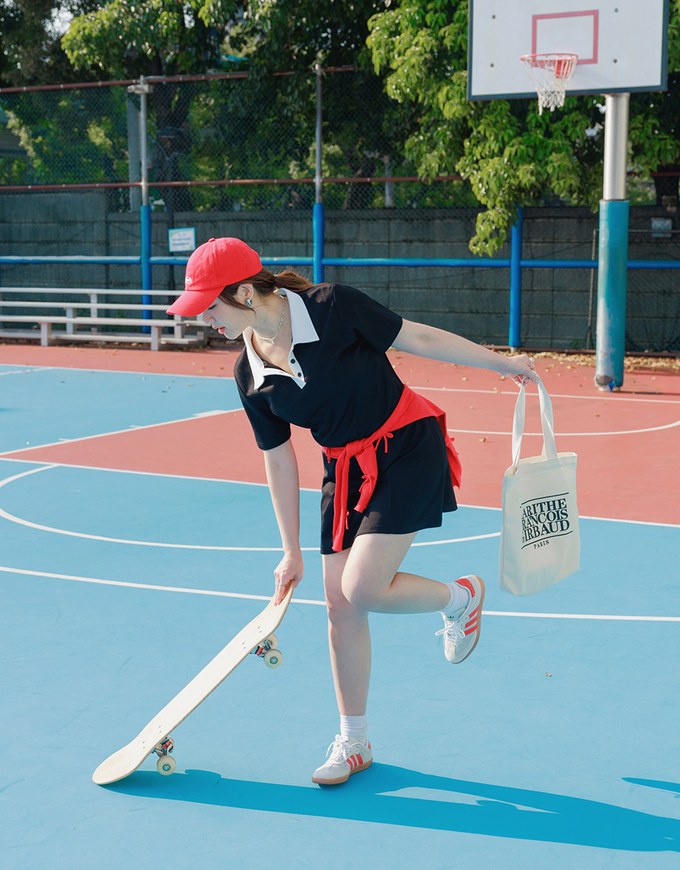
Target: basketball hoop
[(550, 74)]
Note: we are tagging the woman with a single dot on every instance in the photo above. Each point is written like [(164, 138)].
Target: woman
[(315, 356)]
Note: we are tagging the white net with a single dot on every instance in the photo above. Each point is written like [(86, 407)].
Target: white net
[(550, 74)]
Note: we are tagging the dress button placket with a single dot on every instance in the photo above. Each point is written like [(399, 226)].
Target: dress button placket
[(295, 367)]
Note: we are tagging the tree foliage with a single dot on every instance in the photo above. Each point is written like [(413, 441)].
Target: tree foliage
[(164, 37), (509, 153), (31, 52), (405, 110), (57, 137), (149, 37)]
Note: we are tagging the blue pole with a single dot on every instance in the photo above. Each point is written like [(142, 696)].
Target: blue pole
[(612, 277), (318, 221), (318, 214), (515, 326), (145, 243), (611, 294)]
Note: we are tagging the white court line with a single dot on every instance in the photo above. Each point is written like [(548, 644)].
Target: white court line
[(571, 434), (131, 428), (209, 547), (484, 507), (217, 594), (148, 586), (135, 373), (46, 466), (173, 546), (475, 507), (22, 371), (598, 398), (215, 413)]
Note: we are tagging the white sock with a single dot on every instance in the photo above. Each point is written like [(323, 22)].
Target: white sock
[(459, 598), (355, 728)]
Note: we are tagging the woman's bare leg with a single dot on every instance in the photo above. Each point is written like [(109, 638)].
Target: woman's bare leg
[(357, 581), (371, 580), (349, 640)]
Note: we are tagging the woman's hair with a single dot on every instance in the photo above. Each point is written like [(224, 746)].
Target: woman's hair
[(265, 283)]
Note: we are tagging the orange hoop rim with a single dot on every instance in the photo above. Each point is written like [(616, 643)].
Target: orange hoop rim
[(561, 64)]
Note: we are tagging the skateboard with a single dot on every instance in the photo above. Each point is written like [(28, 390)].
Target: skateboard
[(257, 638)]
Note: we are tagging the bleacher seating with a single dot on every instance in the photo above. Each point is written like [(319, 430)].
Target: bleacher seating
[(90, 315)]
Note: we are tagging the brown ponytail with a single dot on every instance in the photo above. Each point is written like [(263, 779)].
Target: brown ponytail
[(265, 283)]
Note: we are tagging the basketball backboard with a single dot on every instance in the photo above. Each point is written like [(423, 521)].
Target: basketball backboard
[(621, 44)]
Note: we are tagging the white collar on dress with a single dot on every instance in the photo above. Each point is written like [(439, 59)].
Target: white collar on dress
[(302, 329)]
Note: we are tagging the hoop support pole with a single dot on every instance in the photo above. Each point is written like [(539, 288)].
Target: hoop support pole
[(515, 324), (615, 146), (613, 249)]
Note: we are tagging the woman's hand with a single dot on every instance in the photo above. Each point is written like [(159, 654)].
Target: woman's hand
[(289, 570), (521, 368)]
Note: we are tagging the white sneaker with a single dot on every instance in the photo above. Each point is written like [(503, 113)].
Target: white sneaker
[(345, 756), (461, 629)]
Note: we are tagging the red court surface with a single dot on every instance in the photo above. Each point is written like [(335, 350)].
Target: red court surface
[(627, 442)]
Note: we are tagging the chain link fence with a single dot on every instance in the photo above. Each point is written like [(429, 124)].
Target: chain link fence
[(235, 154), (211, 147)]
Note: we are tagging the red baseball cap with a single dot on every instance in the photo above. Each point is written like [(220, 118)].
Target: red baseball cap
[(213, 266)]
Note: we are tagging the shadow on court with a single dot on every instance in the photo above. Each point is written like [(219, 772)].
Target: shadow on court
[(656, 783), (498, 811)]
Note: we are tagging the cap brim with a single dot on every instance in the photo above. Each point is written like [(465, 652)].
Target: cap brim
[(193, 302)]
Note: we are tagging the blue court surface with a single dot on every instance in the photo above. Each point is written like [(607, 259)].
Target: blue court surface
[(554, 746)]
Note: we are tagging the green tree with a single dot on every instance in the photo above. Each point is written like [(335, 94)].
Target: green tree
[(66, 137), (60, 137), (359, 119), (130, 38), (31, 52), (270, 134), (509, 153)]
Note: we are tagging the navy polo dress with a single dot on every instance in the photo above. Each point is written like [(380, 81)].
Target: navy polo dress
[(343, 388)]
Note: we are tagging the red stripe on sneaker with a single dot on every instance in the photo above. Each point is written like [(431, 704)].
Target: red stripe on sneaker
[(361, 760), (467, 584)]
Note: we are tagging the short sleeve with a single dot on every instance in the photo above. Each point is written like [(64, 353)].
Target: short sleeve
[(367, 318), (270, 431)]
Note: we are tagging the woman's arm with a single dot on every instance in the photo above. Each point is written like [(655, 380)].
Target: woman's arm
[(282, 476), (433, 343)]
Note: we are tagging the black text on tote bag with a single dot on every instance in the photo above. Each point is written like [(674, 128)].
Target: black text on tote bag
[(540, 542)]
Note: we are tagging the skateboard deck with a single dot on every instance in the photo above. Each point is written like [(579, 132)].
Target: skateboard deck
[(257, 637)]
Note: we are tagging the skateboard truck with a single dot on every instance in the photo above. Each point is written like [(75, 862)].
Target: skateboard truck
[(166, 764), (267, 651)]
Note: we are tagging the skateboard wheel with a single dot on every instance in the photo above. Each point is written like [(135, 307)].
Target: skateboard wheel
[(166, 765), (272, 640), (273, 658)]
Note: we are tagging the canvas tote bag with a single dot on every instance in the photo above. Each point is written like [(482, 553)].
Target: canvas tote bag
[(540, 542)]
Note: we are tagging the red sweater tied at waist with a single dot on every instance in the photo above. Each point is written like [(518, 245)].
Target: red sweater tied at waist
[(410, 408)]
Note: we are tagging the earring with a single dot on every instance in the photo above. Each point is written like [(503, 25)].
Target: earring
[(249, 303)]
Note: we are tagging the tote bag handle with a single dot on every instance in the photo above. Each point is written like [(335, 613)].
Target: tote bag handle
[(547, 424)]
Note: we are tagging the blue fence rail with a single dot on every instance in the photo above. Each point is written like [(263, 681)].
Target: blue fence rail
[(516, 264)]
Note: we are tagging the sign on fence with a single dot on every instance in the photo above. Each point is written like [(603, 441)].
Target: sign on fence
[(181, 239)]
